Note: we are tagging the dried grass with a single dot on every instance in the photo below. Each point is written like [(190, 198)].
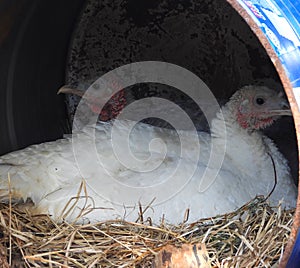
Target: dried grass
[(253, 236)]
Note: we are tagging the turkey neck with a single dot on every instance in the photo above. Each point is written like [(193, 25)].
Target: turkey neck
[(245, 149)]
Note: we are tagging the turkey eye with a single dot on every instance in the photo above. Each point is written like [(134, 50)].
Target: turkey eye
[(260, 101)]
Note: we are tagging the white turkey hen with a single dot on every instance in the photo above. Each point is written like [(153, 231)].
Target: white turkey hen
[(67, 180)]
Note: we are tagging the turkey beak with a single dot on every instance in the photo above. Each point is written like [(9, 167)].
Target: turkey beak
[(68, 90), (94, 102), (282, 112), (284, 109)]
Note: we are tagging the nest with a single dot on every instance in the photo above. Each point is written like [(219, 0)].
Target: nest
[(252, 236)]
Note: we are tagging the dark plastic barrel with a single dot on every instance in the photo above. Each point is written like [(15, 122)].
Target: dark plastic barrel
[(35, 38)]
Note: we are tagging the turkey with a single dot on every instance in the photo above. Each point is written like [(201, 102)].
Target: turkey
[(134, 171)]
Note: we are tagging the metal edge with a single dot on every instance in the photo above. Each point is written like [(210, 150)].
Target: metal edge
[(294, 107)]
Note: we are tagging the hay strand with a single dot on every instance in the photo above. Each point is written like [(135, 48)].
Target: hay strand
[(252, 236)]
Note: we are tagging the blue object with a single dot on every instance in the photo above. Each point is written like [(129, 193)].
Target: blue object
[(294, 260), (279, 21)]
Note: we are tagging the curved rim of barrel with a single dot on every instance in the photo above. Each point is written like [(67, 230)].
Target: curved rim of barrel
[(294, 107)]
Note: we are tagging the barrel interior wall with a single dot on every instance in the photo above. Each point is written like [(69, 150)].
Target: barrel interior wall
[(33, 49), (207, 37)]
